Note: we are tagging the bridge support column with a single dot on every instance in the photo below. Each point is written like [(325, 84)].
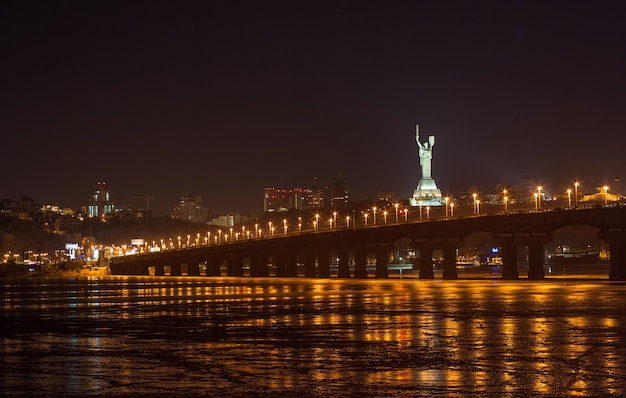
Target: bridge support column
[(536, 256), (449, 260), (281, 264), (235, 266), (425, 260), (310, 270), (508, 249), (617, 248), (291, 263), (360, 262), (344, 268), (382, 258), (213, 267), (323, 263)]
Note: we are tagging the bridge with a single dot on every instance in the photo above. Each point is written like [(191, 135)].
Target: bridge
[(350, 248)]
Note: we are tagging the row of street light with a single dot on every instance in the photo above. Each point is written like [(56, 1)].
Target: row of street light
[(350, 221)]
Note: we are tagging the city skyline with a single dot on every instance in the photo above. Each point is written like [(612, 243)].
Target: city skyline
[(223, 100)]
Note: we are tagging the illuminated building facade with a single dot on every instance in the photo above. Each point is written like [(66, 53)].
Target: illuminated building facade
[(339, 195), (190, 209), (284, 199), (100, 203)]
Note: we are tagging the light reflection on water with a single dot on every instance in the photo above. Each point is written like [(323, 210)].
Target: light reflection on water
[(183, 336)]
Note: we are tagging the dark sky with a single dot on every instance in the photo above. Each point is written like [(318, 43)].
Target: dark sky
[(224, 98)]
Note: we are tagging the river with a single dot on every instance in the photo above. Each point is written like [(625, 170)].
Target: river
[(118, 336)]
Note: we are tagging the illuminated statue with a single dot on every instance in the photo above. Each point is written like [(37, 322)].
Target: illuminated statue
[(426, 193), (425, 153)]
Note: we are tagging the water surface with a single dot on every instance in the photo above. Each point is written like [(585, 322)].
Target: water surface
[(182, 336)]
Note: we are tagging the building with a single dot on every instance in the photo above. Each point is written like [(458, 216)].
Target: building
[(100, 204), (275, 200), (339, 195), (190, 209)]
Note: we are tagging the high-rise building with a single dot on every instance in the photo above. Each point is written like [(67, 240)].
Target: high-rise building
[(339, 196), (284, 199), (315, 198), (190, 209), (100, 203)]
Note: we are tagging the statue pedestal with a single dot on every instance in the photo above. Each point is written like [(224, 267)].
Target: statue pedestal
[(426, 193)]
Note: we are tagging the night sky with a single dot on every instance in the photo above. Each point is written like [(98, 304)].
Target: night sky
[(224, 98)]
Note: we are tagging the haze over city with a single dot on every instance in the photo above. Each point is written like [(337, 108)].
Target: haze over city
[(222, 99)]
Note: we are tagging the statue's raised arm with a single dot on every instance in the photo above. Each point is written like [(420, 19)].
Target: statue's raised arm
[(417, 135)]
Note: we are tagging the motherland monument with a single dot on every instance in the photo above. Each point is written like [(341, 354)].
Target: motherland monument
[(426, 193)]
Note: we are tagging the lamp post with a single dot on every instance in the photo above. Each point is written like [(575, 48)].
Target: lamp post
[(420, 209), (474, 196), (179, 242), (506, 204), (428, 212), (347, 222), (317, 220), (396, 206), (330, 223), (576, 184), (539, 188), (385, 215), (447, 199), (452, 210), (617, 186), (536, 203), (477, 207), (406, 214), (569, 197), (335, 218), (256, 230), (374, 210), (285, 225), (365, 217), (606, 189)]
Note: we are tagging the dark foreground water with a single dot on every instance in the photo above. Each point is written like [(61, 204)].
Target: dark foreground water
[(188, 336)]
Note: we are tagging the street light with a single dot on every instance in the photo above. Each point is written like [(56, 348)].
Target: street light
[(569, 197), (317, 220), (330, 223), (606, 188), (347, 222), (536, 203), (506, 204), (385, 214), (477, 207), (365, 216), (428, 212), (396, 205), (474, 196), (452, 210), (420, 209), (285, 225), (335, 217), (576, 184), (447, 199), (374, 210), (539, 196)]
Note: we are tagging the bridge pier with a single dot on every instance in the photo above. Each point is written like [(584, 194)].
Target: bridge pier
[(508, 251), (360, 262), (291, 262), (449, 260), (536, 255), (382, 258), (213, 267), (425, 261), (343, 270), (616, 239), (234, 267), (323, 262), (310, 270)]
